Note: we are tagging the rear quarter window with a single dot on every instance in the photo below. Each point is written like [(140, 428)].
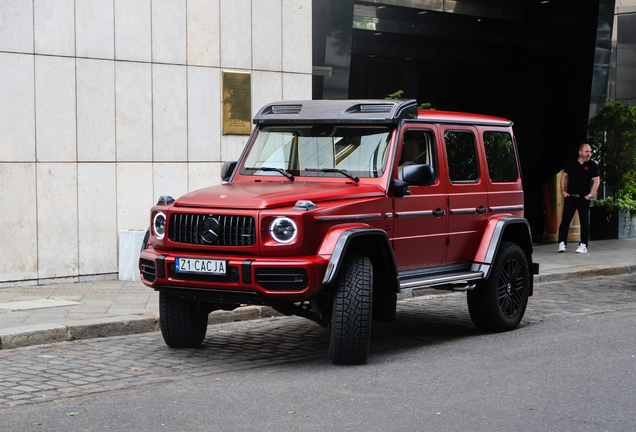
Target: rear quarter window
[(500, 155)]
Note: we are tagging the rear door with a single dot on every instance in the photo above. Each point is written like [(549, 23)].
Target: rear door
[(467, 193)]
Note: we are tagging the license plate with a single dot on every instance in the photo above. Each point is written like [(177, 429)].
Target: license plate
[(205, 266)]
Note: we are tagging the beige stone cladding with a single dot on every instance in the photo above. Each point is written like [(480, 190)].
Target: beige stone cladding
[(107, 104)]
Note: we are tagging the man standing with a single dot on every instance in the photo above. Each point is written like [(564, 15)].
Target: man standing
[(578, 175)]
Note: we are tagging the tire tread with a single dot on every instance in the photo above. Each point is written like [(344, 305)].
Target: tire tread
[(351, 320), (183, 322)]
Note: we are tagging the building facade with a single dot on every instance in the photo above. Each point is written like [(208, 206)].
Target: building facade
[(544, 64), (107, 104), (622, 75)]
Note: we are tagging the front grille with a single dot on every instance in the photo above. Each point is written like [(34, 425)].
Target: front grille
[(282, 278), (234, 230), (232, 276), (148, 270)]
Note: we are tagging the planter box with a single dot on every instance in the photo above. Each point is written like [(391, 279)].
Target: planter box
[(616, 228)]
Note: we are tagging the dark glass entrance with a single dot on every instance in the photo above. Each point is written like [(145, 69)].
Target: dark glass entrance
[(529, 61)]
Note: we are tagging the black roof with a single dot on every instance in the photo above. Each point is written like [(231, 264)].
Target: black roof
[(372, 111)]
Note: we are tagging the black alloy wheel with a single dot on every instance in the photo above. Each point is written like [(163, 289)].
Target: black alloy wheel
[(498, 303), (511, 288)]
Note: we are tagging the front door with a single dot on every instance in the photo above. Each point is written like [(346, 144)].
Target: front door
[(420, 218)]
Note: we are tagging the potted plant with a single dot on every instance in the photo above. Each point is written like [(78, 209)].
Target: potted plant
[(612, 134)]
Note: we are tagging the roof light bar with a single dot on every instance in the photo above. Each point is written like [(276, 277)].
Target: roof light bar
[(286, 109), (375, 108)]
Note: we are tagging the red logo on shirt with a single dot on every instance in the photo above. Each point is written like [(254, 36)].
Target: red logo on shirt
[(585, 168)]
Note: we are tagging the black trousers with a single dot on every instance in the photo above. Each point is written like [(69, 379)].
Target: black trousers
[(570, 205)]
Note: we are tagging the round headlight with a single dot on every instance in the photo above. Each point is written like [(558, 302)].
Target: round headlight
[(159, 225), (283, 230)]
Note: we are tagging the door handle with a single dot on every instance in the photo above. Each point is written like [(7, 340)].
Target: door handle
[(439, 212), (482, 210)]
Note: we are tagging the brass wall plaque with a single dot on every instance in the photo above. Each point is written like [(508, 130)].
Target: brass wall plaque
[(237, 103)]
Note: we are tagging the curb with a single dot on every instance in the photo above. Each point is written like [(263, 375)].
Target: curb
[(39, 334), (584, 272)]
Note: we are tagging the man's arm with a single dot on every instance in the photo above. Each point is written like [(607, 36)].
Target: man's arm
[(596, 181), (564, 184)]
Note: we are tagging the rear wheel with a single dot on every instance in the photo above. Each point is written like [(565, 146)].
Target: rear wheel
[(183, 322), (498, 303), (351, 313)]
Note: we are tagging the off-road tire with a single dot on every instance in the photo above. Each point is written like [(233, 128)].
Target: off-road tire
[(183, 322), (351, 313), (498, 303), (144, 242)]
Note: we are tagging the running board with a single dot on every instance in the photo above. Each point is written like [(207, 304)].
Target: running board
[(432, 281)]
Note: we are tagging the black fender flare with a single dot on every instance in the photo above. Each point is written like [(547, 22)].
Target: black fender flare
[(510, 228), (347, 241)]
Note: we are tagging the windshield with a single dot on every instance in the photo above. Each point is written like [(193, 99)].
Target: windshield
[(319, 151)]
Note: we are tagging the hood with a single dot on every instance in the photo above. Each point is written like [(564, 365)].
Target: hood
[(275, 194)]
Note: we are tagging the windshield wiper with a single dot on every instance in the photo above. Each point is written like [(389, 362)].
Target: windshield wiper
[(278, 170), (341, 171)]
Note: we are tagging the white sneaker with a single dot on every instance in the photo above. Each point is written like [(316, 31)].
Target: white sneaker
[(562, 247), (581, 249)]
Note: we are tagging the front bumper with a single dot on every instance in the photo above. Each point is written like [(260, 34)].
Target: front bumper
[(286, 278)]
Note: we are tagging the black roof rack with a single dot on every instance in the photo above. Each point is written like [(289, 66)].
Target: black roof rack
[(373, 111)]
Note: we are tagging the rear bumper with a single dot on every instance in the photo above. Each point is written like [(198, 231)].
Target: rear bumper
[(248, 279)]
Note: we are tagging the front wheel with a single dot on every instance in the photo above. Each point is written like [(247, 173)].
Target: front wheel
[(351, 313), (183, 322), (498, 303)]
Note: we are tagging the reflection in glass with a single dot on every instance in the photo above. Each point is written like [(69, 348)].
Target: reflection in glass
[(500, 155), (361, 151), (462, 156)]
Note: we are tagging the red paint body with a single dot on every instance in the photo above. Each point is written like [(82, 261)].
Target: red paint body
[(418, 241)]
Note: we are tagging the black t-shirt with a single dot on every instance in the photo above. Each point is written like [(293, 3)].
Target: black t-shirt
[(580, 176)]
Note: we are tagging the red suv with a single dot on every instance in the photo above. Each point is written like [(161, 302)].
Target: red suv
[(336, 206)]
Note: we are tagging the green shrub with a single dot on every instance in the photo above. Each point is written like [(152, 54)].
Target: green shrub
[(398, 95), (612, 134)]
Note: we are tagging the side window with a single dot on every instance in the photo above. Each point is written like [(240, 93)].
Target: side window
[(462, 156), (500, 154), (418, 147)]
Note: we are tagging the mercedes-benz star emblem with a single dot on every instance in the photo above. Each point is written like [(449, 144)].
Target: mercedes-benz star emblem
[(209, 229)]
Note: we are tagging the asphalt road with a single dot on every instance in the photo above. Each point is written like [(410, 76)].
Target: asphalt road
[(570, 366)]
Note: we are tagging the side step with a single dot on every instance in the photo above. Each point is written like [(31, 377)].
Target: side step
[(456, 279)]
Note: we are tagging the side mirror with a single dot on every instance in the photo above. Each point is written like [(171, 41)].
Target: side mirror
[(419, 175), (400, 188), (227, 170)]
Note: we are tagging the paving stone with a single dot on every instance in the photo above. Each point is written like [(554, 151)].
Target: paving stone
[(45, 387), (59, 384), (24, 389), (94, 365), (19, 396), (67, 389)]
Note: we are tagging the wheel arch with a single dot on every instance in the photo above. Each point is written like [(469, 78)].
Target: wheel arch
[(505, 228), (373, 243)]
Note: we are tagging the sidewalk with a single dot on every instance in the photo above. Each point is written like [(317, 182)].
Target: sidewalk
[(33, 315)]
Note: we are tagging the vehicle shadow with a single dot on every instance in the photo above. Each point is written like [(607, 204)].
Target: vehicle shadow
[(286, 340)]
